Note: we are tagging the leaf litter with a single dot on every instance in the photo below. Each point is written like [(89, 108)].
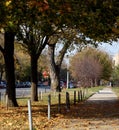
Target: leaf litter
[(82, 116)]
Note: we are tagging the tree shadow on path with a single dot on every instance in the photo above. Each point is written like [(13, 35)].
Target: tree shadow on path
[(95, 109)]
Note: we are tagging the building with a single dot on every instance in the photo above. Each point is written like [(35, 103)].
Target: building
[(116, 59)]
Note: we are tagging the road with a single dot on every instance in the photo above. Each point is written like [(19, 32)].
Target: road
[(24, 92)]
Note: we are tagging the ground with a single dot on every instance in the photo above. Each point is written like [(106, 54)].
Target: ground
[(82, 116), (87, 115)]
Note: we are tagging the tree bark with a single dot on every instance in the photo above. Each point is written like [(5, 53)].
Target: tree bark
[(1, 73), (34, 80), (54, 70), (9, 68), (55, 65)]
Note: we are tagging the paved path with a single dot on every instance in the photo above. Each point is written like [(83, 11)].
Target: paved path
[(99, 112), (104, 95)]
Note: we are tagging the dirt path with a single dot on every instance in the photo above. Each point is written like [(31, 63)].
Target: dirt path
[(100, 112)]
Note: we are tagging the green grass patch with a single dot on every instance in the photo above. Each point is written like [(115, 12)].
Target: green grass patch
[(116, 90), (54, 96)]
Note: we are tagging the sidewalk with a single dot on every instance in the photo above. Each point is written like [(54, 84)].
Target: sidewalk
[(99, 112), (104, 95)]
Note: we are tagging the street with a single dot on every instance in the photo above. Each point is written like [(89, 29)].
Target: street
[(24, 92)]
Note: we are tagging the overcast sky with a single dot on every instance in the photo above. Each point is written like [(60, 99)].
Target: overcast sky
[(111, 49)]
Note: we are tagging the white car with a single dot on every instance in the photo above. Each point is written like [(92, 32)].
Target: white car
[(71, 85)]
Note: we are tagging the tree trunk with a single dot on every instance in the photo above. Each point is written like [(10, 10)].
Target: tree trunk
[(1, 73), (54, 70), (55, 79), (34, 80), (9, 68)]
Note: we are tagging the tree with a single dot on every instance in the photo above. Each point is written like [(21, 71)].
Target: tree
[(36, 34), (8, 53), (9, 25), (56, 16), (22, 63), (104, 59), (33, 39), (115, 75), (98, 19), (86, 70), (34, 48), (87, 16), (2, 67), (55, 66), (2, 64), (90, 66), (55, 60)]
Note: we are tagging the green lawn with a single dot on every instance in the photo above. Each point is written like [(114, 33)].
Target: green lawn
[(116, 90), (87, 92)]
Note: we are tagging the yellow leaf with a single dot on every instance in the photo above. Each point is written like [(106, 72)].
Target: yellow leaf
[(8, 2)]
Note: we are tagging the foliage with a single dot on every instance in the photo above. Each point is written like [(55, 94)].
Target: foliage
[(22, 63), (43, 62), (86, 70), (116, 90), (80, 18), (85, 15), (90, 65), (115, 75), (105, 61), (92, 11)]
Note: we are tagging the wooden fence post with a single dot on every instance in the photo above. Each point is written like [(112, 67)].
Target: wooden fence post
[(6, 101), (74, 97), (81, 95), (0, 96), (59, 102), (78, 96), (40, 95), (67, 101)]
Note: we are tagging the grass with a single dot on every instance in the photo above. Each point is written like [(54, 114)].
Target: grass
[(116, 90), (54, 96), (23, 101)]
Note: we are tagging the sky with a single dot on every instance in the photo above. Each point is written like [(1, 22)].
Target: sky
[(110, 49)]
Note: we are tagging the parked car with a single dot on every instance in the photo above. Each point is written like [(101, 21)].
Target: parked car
[(62, 84), (20, 85), (27, 84), (3, 84), (71, 85)]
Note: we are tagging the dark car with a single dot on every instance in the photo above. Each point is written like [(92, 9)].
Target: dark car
[(20, 85), (3, 84)]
